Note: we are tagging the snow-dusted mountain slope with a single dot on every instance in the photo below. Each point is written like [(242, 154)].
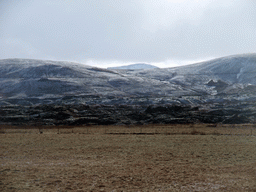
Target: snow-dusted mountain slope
[(236, 72), (234, 69), (41, 79), (21, 78)]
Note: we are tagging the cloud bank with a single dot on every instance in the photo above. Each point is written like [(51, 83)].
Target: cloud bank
[(164, 32)]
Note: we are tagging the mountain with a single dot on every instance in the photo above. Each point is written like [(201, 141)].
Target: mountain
[(234, 69), (135, 66), (28, 82), (42, 92), (38, 80), (236, 72)]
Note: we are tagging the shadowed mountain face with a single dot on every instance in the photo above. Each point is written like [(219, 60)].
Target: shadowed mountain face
[(27, 82)]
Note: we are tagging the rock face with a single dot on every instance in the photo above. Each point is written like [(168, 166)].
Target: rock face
[(223, 89)]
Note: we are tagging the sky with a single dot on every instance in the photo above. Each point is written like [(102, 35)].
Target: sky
[(105, 33)]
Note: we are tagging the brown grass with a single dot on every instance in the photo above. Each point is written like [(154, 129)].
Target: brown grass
[(95, 161), (186, 129)]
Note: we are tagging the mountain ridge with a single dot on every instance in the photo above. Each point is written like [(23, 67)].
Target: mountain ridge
[(38, 92), (135, 66), (42, 79)]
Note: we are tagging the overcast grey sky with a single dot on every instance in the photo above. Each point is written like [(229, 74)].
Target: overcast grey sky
[(113, 32)]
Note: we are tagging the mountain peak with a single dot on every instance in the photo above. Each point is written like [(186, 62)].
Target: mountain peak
[(135, 66)]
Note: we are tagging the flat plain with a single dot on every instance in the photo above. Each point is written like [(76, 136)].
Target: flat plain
[(138, 158)]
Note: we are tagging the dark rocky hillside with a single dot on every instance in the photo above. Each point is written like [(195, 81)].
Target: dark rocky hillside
[(123, 115)]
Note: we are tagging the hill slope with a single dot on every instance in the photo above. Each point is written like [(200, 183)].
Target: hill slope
[(56, 81), (38, 79), (233, 73)]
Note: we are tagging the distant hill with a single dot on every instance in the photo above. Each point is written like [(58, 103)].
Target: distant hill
[(234, 69), (221, 90), (135, 66), (67, 82)]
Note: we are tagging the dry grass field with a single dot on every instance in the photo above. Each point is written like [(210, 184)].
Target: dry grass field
[(116, 158)]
